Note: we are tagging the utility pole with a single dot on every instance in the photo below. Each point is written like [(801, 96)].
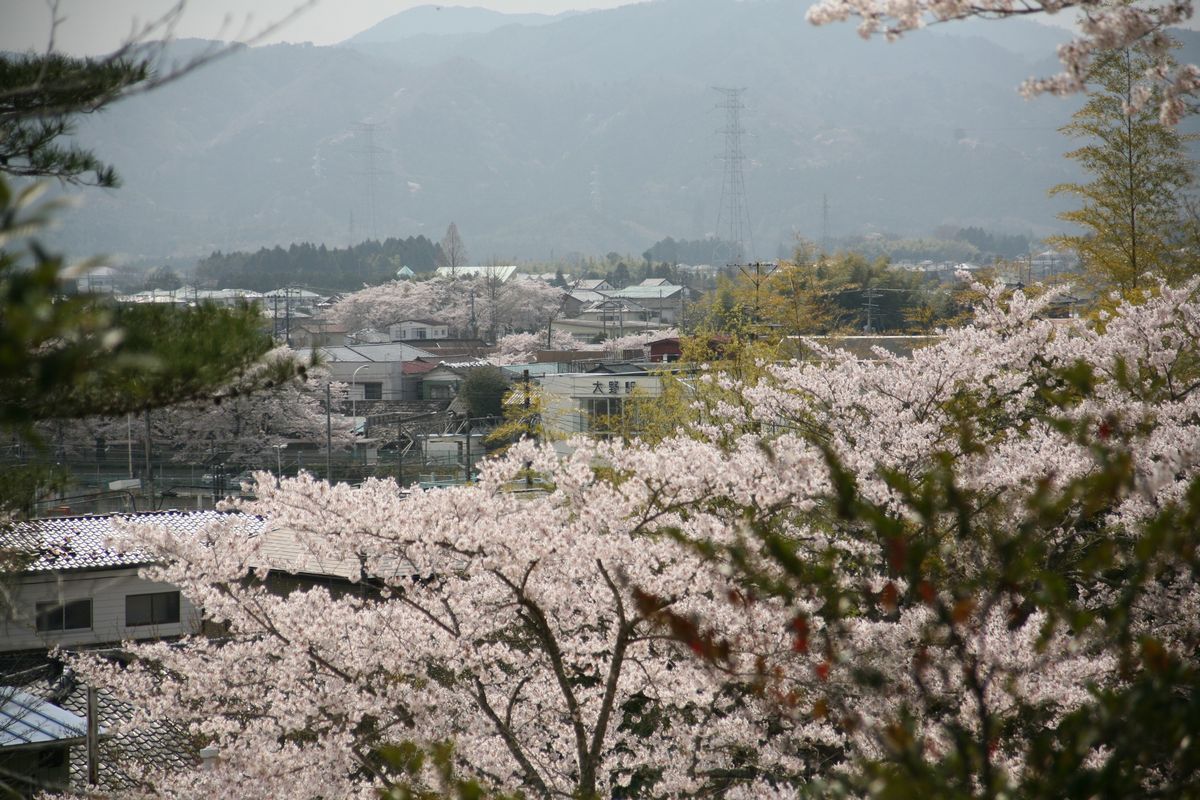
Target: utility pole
[(473, 323), (757, 278), (148, 478), (825, 224), (467, 449), (399, 452), (869, 296), (528, 428), (93, 738), (287, 310), (328, 436)]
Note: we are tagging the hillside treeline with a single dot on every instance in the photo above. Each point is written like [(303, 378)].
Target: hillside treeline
[(318, 267)]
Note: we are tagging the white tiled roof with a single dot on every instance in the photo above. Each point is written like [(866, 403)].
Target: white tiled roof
[(64, 543), (70, 543)]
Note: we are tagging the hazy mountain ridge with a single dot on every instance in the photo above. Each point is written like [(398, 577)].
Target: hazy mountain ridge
[(597, 132), (447, 21)]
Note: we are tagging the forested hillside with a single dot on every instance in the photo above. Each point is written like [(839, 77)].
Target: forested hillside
[(333, 269)]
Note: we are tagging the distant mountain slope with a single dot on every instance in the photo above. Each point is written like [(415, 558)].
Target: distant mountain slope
[(445, 20), (598, 132)]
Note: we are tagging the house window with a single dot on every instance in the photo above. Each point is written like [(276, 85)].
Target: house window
[(373, 391), (69, 616), (160, 608)]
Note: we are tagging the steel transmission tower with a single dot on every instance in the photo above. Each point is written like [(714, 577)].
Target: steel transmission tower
[(733, 218), (370, 173)]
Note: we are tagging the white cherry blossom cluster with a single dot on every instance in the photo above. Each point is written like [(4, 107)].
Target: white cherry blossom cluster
[(485, 303), (553, 636), (244, 427), (521, 348), (1103, 26)]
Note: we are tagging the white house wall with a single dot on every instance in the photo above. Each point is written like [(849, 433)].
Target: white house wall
[(107, 590), (388, 373)]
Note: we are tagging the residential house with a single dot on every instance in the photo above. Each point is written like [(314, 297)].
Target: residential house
[(318, 332), (615, 311), (497, 273), (663, 300), (373, 371), (76, 590), (101, 280), (442, 382), (575, 300), (418, 330), (367, 336), (671, 348), (592, 285)]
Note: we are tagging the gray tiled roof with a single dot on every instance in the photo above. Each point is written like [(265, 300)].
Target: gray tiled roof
[(158, 745), (66, 543)]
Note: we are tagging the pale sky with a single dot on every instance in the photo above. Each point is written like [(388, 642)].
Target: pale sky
[(93, 27)]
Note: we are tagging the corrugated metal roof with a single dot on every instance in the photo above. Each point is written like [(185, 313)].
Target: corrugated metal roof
[(417, 367), (160, 745), (283, 549), (646, 292), (27, 719), (66, 543), (588, 295), (377, 353), (500, 273)]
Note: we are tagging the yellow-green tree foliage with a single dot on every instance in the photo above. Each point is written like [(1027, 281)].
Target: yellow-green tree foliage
[(841, 294), (700, 388), (1132, 214)]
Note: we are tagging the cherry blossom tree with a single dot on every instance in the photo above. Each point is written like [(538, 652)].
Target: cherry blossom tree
[(524, 304), (521, 348), (1103, 26), (466, 304), (994, 573), (506, 623), (968, 572), (244, 427), (639, 340), (380, 306)]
